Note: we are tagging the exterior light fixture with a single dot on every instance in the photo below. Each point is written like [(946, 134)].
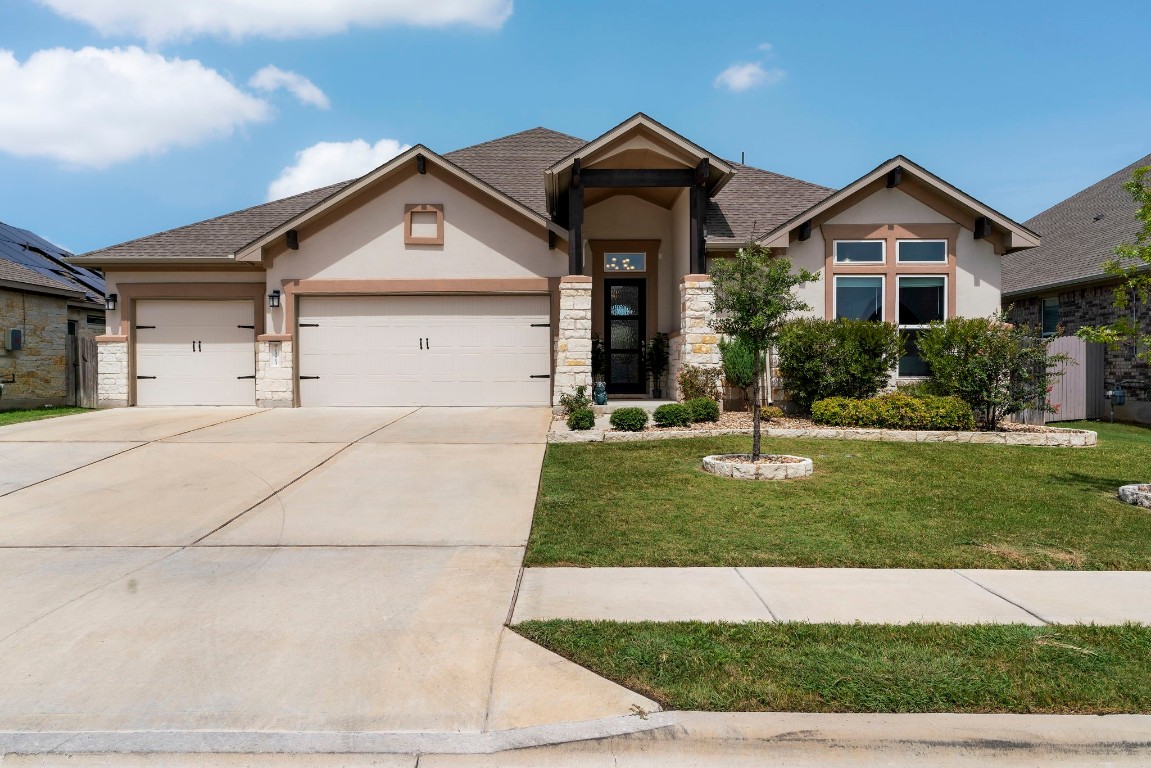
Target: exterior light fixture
[(110, 302), (274, 299)]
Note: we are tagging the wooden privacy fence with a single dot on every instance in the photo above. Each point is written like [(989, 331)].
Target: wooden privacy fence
[(81, 367), (1078, 393)]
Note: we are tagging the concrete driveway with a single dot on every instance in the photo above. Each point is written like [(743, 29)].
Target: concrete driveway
[(207, 574)]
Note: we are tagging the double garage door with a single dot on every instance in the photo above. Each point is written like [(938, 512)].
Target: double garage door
[(424, 350), (367, 350)]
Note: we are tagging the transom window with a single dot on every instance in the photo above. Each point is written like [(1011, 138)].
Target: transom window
[(921, 251), (922, 300), (859, 297), (860, 251), (625, 262)]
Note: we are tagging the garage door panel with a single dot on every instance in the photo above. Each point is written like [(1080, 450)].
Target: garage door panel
[(195, 353), (425, 350)]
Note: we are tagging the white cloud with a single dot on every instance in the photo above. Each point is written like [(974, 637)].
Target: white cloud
[(765, 47), (331, 161), (749, 74), (96, 107), (160, 20), (273, 78)]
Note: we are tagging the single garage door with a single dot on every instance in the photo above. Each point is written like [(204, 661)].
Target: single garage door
[(425, 350), (195, 353)]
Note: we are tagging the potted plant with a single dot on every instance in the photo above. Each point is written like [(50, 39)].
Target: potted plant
[(658, 354), (599, 387)]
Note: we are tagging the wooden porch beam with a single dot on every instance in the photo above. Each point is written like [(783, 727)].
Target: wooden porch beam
[(575, 220), (638, 177)]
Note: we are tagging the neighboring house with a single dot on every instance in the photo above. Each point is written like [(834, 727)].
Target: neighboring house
[(1060, 286), (49, 303), (479, 277)]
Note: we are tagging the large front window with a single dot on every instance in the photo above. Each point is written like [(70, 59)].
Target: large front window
[(922, 300), (859, 297)]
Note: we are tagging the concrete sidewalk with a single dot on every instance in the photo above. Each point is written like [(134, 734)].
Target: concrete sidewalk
[(835, 595)]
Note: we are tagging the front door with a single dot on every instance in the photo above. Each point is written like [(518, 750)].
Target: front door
[(625, 325)]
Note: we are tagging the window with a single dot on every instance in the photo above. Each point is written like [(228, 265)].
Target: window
[(95, 320), (859, 298), (424, 224), (860, 251), (1051, 316), (922, 300), (625, 262), (921, 251)]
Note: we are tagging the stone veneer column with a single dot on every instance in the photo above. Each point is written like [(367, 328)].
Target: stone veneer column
[(274, 374), (111, 373), (573, 337), (699, 342)]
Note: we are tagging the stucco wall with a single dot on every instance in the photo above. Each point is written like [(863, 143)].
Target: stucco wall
[(114, 278), (979, 269), (39, 366)]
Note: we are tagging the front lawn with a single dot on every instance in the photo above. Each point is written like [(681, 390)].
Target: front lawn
[(35, 414), (865, 668), (869, 504)]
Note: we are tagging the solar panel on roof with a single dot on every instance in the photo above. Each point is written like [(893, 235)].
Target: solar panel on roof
[(28, 249)]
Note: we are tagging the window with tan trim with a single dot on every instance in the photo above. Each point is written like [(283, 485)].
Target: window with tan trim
[(424, 224)]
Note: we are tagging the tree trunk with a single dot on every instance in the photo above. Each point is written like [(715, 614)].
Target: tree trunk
[(755, 409)]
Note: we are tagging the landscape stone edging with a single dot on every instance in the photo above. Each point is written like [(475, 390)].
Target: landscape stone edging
[(1064, 438), (1132, 494), (733, 465)]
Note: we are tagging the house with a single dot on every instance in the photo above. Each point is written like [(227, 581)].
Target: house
[(1060, 286), (479, 277), (46, 304)]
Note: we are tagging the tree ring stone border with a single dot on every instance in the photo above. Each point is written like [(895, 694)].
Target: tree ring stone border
[(740, 467), (1139, 494)]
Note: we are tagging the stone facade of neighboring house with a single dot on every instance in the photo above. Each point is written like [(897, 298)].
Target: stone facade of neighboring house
[(1060, 287)]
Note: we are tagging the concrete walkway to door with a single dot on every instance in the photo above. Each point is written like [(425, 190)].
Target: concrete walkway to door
[(243, 579)]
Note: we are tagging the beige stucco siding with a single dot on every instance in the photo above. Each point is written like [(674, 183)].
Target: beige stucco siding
[(114, 278)]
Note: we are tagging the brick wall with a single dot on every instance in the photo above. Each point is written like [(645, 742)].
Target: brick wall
[(39, 366)]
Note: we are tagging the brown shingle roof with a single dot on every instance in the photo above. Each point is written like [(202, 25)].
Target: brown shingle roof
[(1079, 234), (18, 273), (515, 164), (219, 237), (757, 201)]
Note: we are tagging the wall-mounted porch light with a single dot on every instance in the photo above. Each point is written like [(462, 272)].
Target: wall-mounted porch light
[(110, 302), (274, 299)]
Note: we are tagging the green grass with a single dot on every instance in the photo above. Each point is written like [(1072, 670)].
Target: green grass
[(865, 668), (35, 414), (877, 505)]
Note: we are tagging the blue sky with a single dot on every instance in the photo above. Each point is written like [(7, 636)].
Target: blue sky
[(120, 121)]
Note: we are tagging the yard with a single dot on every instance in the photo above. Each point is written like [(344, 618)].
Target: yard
[(35, 414), (869, 504), (865, 668)]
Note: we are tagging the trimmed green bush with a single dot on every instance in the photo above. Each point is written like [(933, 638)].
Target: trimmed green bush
[(697, 381), (702, 409), (895, 411), (836, 358), (629, 419), (673, 415), (574, 401), (739, 367), (581, 418), (769, 412)]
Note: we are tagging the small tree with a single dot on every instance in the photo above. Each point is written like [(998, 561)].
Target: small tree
[(658, 355), (1133, 268), (754, 294), (739, 366), (997, 368)]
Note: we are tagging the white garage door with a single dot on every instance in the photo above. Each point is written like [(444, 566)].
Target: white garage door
[(425, 350), (195, 353)]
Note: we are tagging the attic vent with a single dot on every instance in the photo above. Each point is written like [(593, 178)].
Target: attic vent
[(1098, 217)]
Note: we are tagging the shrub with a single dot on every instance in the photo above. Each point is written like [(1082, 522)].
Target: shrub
[(673, 415), (629, 419), (894, 411), (702, 409), (770, 412), (697, 381), (739, 365), (581, 418), (575, 401), (996, 368), (917, 389), (819, 359)]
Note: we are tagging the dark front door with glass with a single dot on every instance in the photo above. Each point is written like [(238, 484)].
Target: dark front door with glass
[(625, 326)]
